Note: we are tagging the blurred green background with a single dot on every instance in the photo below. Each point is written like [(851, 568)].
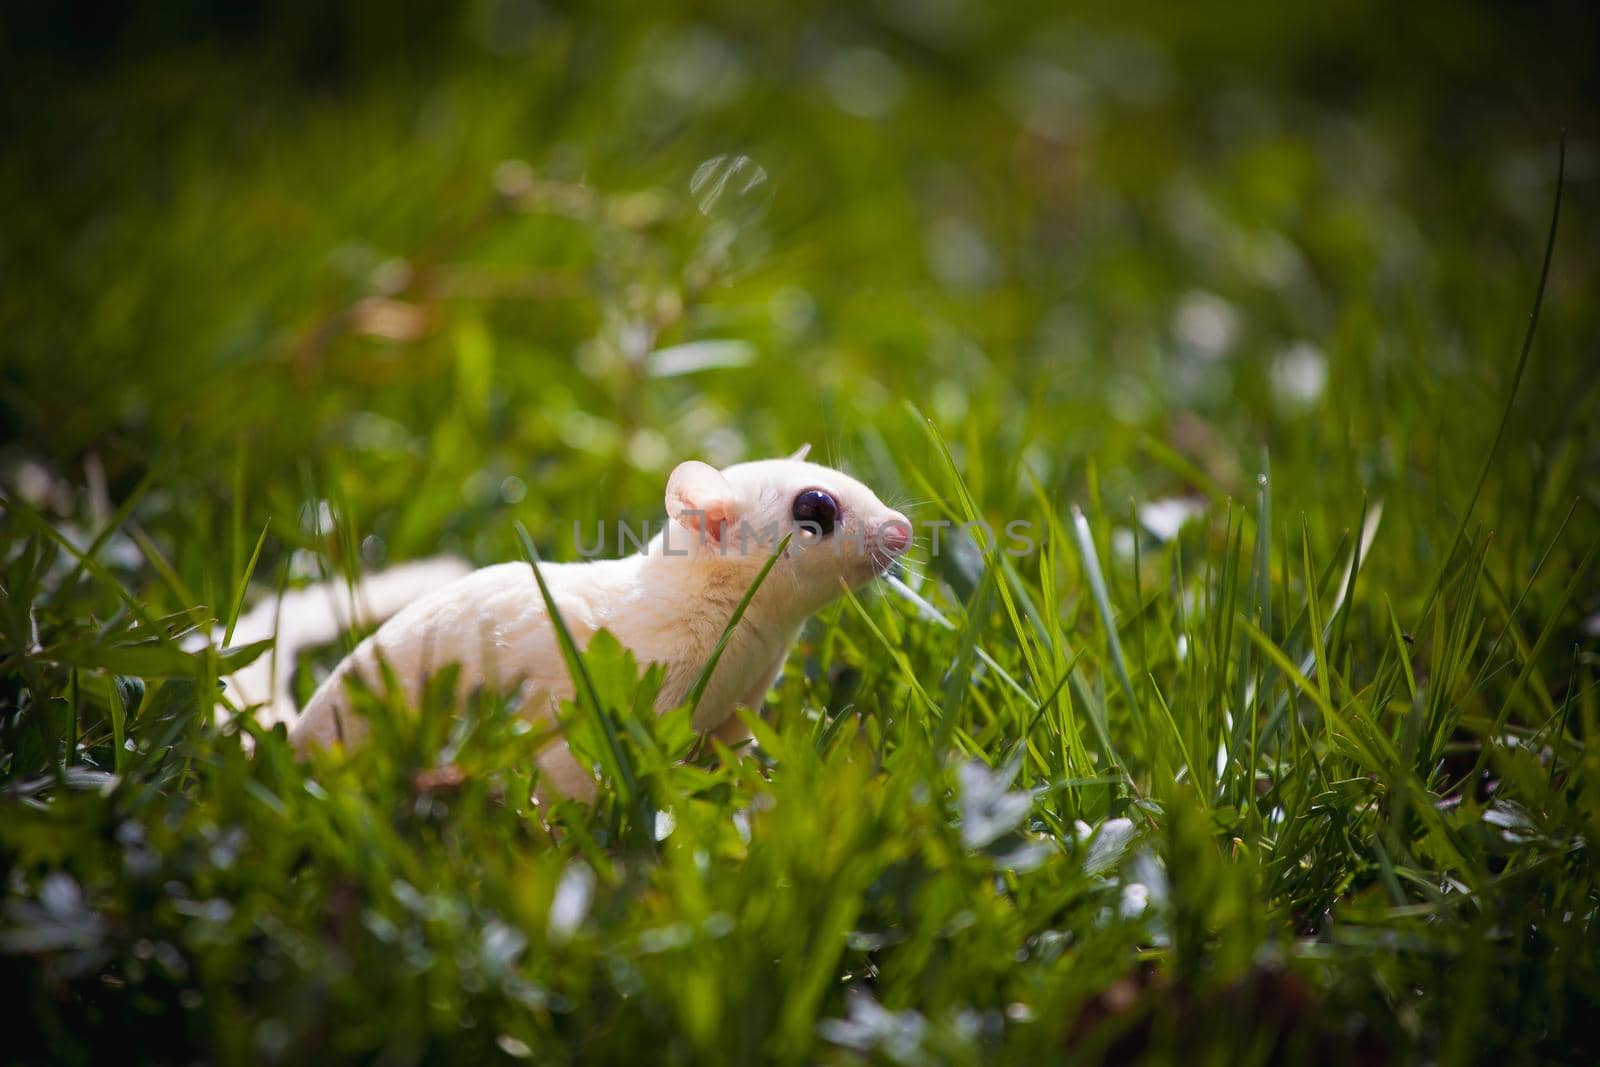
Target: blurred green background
[(333, 227), (382, 279)]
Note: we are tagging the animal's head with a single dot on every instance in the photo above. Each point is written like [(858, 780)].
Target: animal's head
[(840, 532)]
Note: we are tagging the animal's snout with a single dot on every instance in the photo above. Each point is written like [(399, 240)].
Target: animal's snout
[(895, 533)]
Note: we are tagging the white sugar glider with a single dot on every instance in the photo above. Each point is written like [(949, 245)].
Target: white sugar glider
[(668, 604)]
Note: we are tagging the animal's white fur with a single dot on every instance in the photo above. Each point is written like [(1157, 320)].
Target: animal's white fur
[(668, 604), (305, 618)]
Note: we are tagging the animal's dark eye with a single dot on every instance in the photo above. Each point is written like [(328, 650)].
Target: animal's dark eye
[(816, 510)]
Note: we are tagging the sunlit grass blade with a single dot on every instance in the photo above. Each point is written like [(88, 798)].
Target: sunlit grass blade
[(698, 688), (1319, 654), (990, 548), (1189, 765), (928, 612), (1090, 560), (907, 671), (621, 763), (237, 606)]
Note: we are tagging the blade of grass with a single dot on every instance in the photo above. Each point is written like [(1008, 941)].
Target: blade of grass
[(1402, 649), (244, 585), (584, 685), (1557, 614), (697, 690), (112, 525), (990, 551), (1102, 602), (958, 679), (935, 616), (1516, 385)]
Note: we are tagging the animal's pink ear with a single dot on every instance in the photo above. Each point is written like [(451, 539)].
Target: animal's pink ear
[(802, 452), (700, 499)]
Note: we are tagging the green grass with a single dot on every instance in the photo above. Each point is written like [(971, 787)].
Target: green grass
[(1305, 779)]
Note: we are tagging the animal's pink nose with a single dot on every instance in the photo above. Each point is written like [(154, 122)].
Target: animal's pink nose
[(896, 534)]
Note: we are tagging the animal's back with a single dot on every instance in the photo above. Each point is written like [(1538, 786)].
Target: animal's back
[(493, 625), (302, 619)]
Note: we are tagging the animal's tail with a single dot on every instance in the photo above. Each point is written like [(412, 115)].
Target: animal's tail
[(305, 618)]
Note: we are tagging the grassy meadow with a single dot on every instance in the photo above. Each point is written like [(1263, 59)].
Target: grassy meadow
[(1277, 329)]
